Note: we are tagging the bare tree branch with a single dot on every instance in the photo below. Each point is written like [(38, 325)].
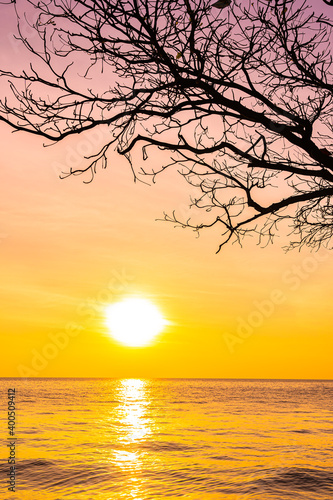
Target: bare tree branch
[(238, 95)]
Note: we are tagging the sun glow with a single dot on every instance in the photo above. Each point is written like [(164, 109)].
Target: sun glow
[(134, 321)]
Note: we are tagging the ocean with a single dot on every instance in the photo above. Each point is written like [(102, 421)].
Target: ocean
[(195, 439)]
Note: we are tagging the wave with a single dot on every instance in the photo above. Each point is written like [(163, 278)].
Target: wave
[(298, 479), (45, 474), (167, 446)]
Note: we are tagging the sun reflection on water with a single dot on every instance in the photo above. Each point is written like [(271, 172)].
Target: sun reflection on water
[(135, 426), (133, 412)]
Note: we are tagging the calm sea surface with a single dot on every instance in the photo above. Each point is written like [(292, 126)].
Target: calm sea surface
[(139, 439)]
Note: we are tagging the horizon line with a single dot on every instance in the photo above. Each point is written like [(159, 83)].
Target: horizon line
[(171, 378)]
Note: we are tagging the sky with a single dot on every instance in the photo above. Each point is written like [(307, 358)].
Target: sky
[(70, 249)]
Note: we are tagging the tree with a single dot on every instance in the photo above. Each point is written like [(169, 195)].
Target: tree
[(238, 96)]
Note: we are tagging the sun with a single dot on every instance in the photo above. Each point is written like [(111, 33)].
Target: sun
[(134, 321)]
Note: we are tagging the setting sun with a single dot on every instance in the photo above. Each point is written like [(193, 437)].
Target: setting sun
[(134, 321)]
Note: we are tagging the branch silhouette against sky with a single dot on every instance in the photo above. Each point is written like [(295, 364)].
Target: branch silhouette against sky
[(237, 96)]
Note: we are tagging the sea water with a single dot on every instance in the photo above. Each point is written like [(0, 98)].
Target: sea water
[(196, 439)]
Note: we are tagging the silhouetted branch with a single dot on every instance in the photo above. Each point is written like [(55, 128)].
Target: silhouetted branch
[(237, 95)]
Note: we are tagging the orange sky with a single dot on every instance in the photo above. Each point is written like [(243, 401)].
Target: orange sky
[(68, 249)]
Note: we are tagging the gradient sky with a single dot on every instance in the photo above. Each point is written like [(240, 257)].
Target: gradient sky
[(69, 249)]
